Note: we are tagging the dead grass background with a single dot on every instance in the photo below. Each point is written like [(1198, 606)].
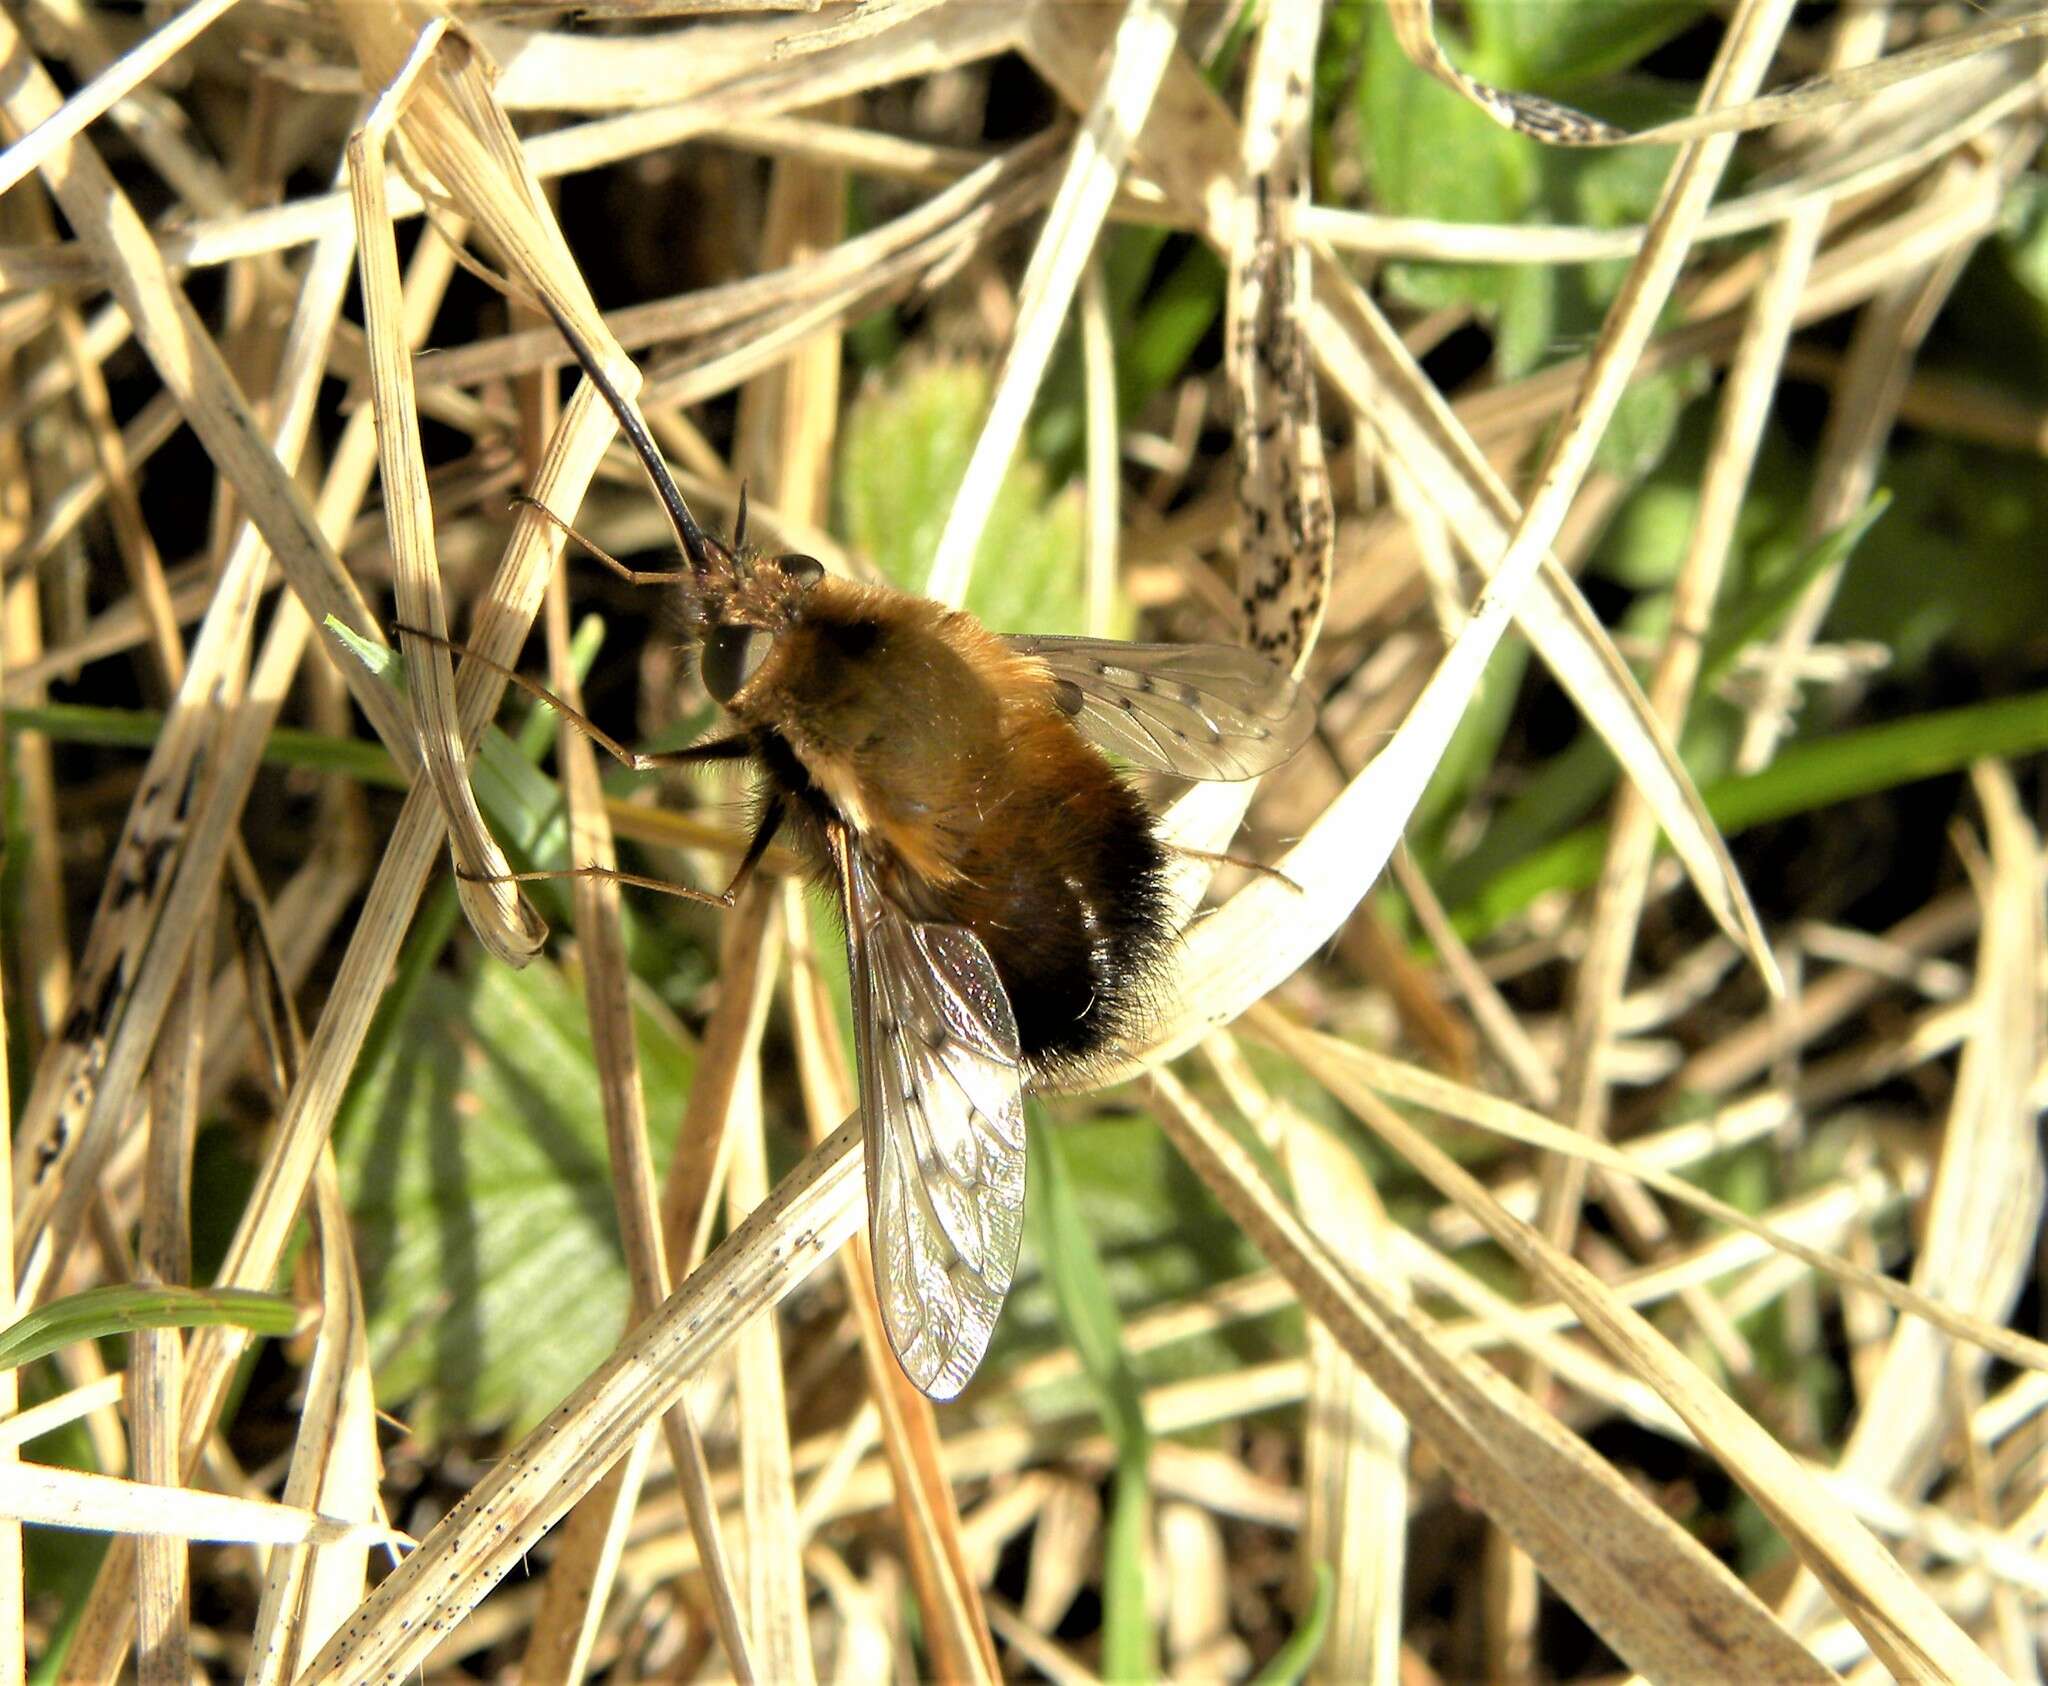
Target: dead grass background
[(1557, 1327)]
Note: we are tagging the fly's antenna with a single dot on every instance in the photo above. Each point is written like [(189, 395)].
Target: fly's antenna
[(697, 545)]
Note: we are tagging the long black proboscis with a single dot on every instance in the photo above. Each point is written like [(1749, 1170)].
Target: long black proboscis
[(691, 536)]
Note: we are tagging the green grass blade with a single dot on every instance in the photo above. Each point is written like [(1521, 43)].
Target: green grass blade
[(1088, 1315), (1292, 1661), (126, 1307), (1805, 776)]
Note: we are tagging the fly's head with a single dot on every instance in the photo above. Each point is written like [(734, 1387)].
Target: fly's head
[(744, 602)]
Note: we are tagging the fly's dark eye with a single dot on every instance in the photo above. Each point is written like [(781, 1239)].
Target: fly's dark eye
[(807, 571), (732, 656)]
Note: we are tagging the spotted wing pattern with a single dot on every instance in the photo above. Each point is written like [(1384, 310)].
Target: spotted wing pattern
[(1202, 711), (941, 1089)]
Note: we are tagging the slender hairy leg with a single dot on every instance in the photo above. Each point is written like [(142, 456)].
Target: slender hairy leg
[(641, 761), (757, 846), (1259, 867), (632, 576)]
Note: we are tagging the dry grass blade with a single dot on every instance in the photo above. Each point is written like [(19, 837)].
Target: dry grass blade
[(324, 1460), (776, 1600), (1286, 529), (809, 1214), (500, 916), (1349, 1070), (1978, 1251), (112, 84), (1560, 125), (157, 1356), (1356, 1456), (1143, 43), (1906, 1629), (1649, 1590), (70, 1498)]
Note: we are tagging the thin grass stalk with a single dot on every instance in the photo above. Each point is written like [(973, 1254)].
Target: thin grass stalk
[(157, 1356), (501, 917), (132, 539), (776, 1601)]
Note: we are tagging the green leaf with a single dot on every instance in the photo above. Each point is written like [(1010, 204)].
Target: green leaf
[(1292, 1661), (1956, 566), (1433, 153), (473, 1158), (1646, 542), (1088, 1314), (905, 450), (125, 1307), (1573, 42), (2023, 238), (1645, 421)]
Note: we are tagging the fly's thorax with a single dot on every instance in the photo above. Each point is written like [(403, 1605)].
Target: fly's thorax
[(879, 678)]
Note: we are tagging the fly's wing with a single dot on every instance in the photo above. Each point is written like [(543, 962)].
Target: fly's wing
[(941, 1090), (1201, 711)]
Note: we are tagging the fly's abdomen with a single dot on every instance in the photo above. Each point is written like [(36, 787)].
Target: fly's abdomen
[(1076, 923)]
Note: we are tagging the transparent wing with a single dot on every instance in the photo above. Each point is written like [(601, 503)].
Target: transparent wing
[(1202, 711), (941, 1089)]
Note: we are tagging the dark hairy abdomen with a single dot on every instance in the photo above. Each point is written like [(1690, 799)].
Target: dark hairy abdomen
[(1075, 921), (1066, 892)]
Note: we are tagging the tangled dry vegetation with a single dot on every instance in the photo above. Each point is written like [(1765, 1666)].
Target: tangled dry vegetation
[(1523, 1253)]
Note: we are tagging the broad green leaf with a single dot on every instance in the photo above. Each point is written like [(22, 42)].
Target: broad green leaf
[(2023, 241), (1956, 565), (122, 1308), (1646, 420), (473, 1158), (1646, 541), (1432, 153), (905, 448), (1571, 42)]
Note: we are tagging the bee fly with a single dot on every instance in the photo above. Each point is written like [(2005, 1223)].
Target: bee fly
[(1003, 887)]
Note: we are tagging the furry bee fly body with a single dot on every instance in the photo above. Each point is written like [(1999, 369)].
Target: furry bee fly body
[(1002, 885), (947, 757)]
